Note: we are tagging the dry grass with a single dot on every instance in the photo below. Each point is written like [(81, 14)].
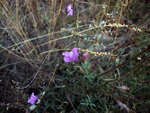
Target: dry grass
[(34, 33)]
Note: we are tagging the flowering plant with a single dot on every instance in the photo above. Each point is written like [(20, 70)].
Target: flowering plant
[(69, 10), (71, 56), (32, 99)]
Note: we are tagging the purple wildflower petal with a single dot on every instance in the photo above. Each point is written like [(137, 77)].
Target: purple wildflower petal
[(32, 99), (75, 53), (69, 10), (71, 56), (70, 13), (69, 7), (65, 53), (66, 58)]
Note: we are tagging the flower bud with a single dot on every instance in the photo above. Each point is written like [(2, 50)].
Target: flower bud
[(85, 56)]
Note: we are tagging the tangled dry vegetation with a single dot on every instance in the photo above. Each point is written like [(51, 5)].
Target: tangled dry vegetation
[(116, 76)]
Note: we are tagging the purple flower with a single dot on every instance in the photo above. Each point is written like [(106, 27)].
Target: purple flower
[(69, 7), (71, 56), (85, 56), (70, 13), (69, 10), (32, 99)]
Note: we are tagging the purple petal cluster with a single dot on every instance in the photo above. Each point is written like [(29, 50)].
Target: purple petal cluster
[(71, 56), (32, 99), (69, 10)]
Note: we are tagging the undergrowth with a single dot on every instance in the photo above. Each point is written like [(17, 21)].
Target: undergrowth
[(114, 78)]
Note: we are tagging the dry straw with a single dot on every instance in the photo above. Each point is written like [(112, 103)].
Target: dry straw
[(121, 25), (95, 53)]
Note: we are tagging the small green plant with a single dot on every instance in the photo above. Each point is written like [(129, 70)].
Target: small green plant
[(87, 72), (87, 102)]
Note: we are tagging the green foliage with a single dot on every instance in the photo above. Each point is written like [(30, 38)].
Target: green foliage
[(88, 102), (87, 72)]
